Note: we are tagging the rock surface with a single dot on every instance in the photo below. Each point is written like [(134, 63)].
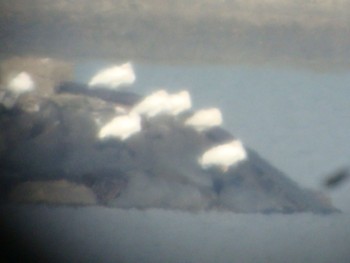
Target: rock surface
[(53, 192), (155, 168)]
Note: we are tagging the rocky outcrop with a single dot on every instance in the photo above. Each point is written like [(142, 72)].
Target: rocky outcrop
[(154, 168)]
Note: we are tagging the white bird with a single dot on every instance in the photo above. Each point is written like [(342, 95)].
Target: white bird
[(20, 84), (224, 155), (121, 127), (205, 119), (153, 104), (121, 109), (114, 77), (179, 102)]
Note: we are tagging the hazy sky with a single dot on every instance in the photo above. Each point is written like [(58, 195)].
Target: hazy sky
[(284, 32)]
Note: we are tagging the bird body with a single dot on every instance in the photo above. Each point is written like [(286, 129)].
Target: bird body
[(153, 104), (161, 102), (114, 77), (223, 156), (205, 119), (20, 84), (121, 127), (179, 102)]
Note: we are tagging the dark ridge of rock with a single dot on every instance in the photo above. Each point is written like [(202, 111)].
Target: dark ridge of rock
[(218, 135), (106, 94)]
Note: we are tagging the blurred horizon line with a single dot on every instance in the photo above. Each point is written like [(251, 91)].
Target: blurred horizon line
[(313, 34)]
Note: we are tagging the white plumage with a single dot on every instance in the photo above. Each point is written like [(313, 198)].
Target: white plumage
[(121, 109), (153, 104), (223, 156), (179, 102), (161, 102), (121, 127), (205, 119), (20, 84), (114, 77)]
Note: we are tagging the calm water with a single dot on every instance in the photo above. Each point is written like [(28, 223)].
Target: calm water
[(113, 235), (298, 119)]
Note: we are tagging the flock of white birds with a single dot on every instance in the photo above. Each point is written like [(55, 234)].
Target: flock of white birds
[(128, 121), (163, 103)]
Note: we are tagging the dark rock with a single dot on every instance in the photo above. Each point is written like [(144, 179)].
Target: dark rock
[(107, 185), (258, 186), (218, 135), (34, 142), (104, 93)]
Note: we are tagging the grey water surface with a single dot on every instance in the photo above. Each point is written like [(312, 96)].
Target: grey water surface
[(97, 234)]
